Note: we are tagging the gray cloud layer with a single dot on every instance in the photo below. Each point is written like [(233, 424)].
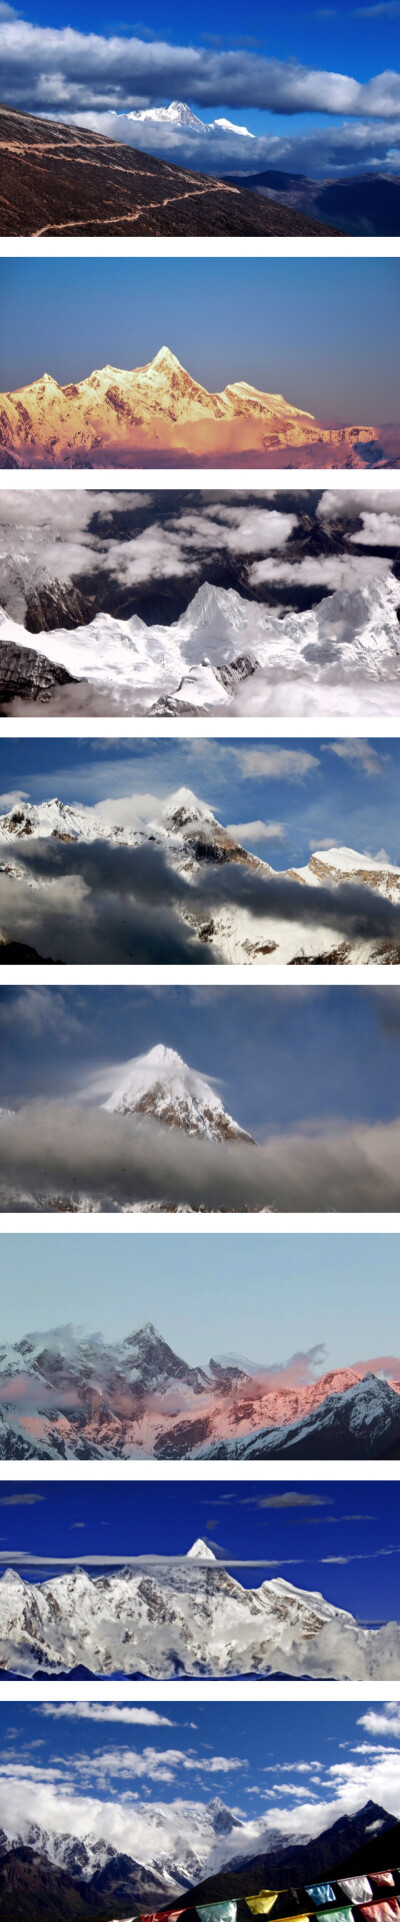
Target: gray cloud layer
[(52, 1149), (118, 904)]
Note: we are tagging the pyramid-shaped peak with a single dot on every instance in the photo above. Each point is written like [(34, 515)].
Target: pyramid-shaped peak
[(161, 1086), (201, 1552), (187, 806), (165, 358)]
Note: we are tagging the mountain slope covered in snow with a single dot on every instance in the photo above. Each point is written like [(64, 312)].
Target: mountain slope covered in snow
[(185, 1618), (200, 850), (160, 409), (73, 1396), (230, 655)]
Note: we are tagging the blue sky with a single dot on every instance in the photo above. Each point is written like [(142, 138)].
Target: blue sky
[(305, 1054), (269, 69), (346, 793), (330, 37), (323, 333), (272, 1755), (337, 1292), (341, 1538)]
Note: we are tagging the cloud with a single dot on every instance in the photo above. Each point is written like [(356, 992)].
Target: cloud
[(105, 1712), (382, 1721), (58, 69), (121, 904), (274, 763), (359, 754), (293, 1499), (35, 1013), (244, 831), (73, 535), (380, 529), (49, 1150), (329, 571), (339, 150), (20, 1501), (63, 1799), (337, 504), (12, 799), (105, 904)]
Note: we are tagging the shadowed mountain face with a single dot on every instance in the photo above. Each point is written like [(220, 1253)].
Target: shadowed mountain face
[(289, 1864), (60, 1878), (64, 180), (360, 204)]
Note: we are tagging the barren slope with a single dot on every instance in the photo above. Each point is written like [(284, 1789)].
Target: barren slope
[(58, 180)]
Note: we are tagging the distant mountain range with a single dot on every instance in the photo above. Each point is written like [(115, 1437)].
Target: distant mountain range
[(160, 413), (51, 1877), (188, 1619), (226, 654), (64, 179), (194, 845), (73, 1397), (360, 204)]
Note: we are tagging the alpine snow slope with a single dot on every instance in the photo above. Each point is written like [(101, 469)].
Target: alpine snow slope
[(158, 414), (69, 1396), (190, 1618), (225, 656), (49, 903)]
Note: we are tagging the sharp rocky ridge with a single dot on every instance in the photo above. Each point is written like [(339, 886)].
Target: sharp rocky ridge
[(67, 1395)]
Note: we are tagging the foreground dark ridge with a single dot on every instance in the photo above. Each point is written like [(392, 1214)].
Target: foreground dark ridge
[(65, 180)]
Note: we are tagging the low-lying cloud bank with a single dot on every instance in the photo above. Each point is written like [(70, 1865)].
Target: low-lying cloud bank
[(118, 904), (51, 1148), (356, 145)]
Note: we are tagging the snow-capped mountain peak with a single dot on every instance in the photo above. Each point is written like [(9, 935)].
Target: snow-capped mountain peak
[(166, 358), (161, 1085), (178, 114), (183, 810), (201, 1552)]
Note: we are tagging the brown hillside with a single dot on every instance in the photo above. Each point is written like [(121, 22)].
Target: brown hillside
[(57, 180)]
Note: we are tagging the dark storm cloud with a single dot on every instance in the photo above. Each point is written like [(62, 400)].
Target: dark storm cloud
[(130, 904)]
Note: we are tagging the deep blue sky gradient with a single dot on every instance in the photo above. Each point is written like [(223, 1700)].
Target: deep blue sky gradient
[(355, 1520), (333, 37), (335, 798), (261, 1735), (323, 333)]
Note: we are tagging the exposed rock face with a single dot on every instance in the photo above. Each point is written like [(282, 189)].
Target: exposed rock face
[(194, 843), (74, 1397), (230, 655), (27, 675), (185, 1618), (160, 1084)]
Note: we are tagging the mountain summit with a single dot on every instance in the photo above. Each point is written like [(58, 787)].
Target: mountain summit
[(161, 1085), (161, 408)]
